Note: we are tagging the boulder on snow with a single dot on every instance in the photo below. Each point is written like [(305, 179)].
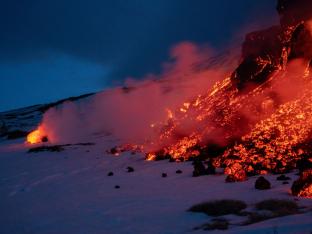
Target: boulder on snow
[(130, 169), (262, 183), (199, 168)]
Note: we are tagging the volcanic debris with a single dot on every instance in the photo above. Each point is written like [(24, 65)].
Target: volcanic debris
[(262, 183), (282, 177), (130, 169)]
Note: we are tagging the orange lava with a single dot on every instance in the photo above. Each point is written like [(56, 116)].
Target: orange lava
[(36, 136)]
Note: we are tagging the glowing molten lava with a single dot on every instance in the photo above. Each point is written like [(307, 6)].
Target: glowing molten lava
[(37, 136)]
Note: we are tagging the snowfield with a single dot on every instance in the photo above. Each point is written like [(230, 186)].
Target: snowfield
[(70, 192)]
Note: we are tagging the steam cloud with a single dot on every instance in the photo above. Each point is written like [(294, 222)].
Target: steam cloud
[(127, 112)]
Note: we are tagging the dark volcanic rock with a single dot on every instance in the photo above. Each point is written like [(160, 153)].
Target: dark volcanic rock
[(266, 51), (164, 175), (52, 148), (44, 139), (282, 178), (262, 183), (178, 171), (303, 186), (304, 163), (199, 168), (211, 170), (110, 173), (293, 12), (130, 169), (261, 53)]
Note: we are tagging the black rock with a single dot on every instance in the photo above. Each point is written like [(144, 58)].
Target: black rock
[(285, 182), (199, 169), (130, 169), (304, 164), (262, 183), (211, 170), (178, 171), (44, 139), (283, 178), (117, 186), (110, 173), (164, 175)]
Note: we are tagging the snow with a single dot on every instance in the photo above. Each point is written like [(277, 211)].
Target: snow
[(70, 192)]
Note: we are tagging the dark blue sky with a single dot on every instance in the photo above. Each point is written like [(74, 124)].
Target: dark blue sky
[(51, 49)]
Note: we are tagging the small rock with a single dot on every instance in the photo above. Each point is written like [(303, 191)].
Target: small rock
[(130, 169), (164, 175), (199, 169), (283, 178), (114, 151), (44, 139), (262, 183), (117, 186), (178, 171), (285, 182), (110, 173)]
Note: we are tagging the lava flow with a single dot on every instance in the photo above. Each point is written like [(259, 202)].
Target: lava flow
[(257, 120)]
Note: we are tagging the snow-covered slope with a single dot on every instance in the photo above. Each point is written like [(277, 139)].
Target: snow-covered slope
[(70, 192)]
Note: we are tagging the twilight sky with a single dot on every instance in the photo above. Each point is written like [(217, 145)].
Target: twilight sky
[(52, 49)]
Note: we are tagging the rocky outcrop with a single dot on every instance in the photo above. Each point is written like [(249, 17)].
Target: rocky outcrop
[(293, 12), (269, 50)]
